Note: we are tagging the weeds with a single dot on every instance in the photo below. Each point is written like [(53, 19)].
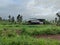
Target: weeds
[(23, 35)]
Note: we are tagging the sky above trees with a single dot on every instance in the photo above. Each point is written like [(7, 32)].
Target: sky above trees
[(30, 8)]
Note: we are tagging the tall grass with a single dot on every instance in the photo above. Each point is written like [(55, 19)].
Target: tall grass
[(27, 40), (22, 34)]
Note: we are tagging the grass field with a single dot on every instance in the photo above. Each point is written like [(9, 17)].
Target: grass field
[(16, 34)]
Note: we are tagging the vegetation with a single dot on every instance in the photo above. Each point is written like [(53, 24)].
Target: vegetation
[(17, 33), (19, 18), (58, 22), (27, 40)]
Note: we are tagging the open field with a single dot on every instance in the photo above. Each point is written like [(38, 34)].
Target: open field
[(15, 34), (33, 29)]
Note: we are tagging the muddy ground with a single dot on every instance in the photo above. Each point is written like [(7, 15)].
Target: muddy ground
[(57, 37)]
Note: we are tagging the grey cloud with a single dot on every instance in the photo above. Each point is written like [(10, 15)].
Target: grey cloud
[(30, 8)]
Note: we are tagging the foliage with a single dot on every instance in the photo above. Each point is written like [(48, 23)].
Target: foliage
[(9, 18), (19, 18), (15, 34), (27, 40), (13, 19)]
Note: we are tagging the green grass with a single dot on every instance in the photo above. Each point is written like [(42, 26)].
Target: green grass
[(16, 34), (33, 29), (27, 40)]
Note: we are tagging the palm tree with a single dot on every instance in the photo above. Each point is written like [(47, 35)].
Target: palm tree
[(58, 16), (55, 20), (0, 18), (13, 19), (18, 18), (9, 18)]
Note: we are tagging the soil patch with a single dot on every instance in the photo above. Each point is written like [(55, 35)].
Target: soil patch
[(57, 37)]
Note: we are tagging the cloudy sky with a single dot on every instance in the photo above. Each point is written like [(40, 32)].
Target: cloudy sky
[(30, 8)]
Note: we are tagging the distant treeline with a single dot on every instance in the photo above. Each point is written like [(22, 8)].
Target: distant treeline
[(19, 19), (12, 18)]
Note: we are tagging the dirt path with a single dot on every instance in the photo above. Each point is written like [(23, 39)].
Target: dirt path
[(57, 37)]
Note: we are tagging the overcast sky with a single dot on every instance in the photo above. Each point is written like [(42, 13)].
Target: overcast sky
[(30, 8)]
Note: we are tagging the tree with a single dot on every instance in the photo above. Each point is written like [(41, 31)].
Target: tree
[(13, 19), (9, 18), (58, 14), (55, 20), (0, 18), (19, 18)]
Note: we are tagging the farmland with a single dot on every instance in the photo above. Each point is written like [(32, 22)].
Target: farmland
[(18, 34)]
